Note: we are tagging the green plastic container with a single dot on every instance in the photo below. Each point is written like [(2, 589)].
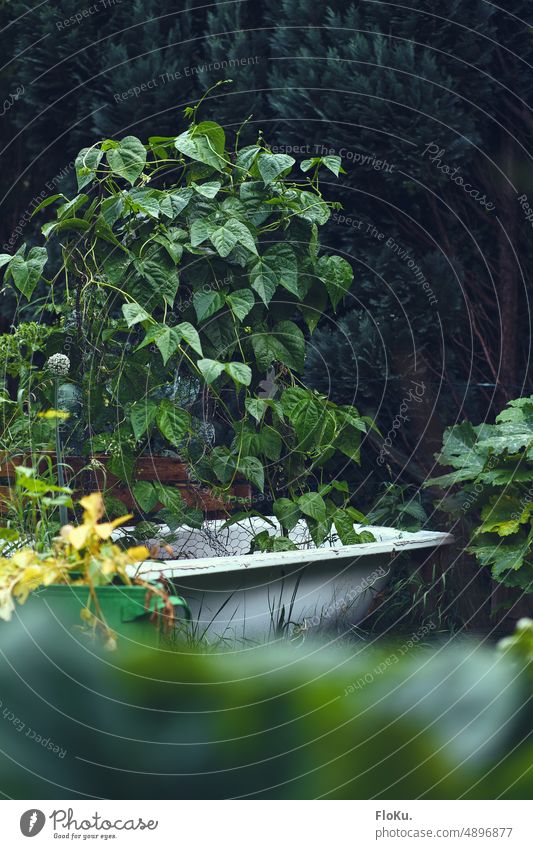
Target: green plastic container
[(123, 609)]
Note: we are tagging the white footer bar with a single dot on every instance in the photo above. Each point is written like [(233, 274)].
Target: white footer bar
[(257, 824)]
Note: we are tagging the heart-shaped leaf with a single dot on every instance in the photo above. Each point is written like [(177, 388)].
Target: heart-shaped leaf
[(128, 159)]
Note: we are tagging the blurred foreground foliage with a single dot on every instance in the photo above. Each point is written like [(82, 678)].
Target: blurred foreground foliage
[(300, 722)]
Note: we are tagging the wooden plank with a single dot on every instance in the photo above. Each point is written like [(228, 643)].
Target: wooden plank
[(147, 468), (202, 499), (166, 470)]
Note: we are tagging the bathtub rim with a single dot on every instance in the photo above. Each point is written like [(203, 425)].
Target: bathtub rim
[(404, 541)]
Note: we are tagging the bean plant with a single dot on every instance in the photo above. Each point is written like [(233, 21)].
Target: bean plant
[(190, 277)]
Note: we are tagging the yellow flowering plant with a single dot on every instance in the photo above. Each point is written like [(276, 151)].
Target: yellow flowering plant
[(83, 555)]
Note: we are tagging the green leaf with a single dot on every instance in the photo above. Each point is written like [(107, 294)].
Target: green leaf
[(286, 512), (221, 334), (252, 469), (292, 397), (207, 304), (122, 465), (458, 449), (175, 201), (155, 282), (314, 244), (224, 240), (277, 266), (210, 369), (128, 159), (145, 494), (75, 224), (348, 437), (190, 334), (134, 314), (337, 276), (285, 343), (171, 498), (344, 527), (46, 202), (313, 505), (167, 340), (86, 165), (9, 534), (507, 475), (214, 133), (27, 272), (160, 144), (142, 414), (272, 165), (501, 555), (312, 208), (172, 246), (254, 195), (246, 157), (282, 260), (104, 231), (459, 476), (348, 441), (111, 208), (256, 407), (4, 259), (69, 208), (242, 233), (224, 464), (307, 417), (265, 542), (144, 200), (333, 163), (207, 190), (263, 280), (314, 306), (240, 303), (311, 417), (508, 437), (519, 411), (270, 442), (200, 231), (115, 267), (230, 234), (503, 514), (173, 422), (240, 373), (204, 143)]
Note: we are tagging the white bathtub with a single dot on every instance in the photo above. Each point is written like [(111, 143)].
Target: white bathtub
[(235, 596)]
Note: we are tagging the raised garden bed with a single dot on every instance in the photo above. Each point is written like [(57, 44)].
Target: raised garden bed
[(165, 470)]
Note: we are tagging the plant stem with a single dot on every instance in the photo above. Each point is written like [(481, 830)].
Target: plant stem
[(63, 515)]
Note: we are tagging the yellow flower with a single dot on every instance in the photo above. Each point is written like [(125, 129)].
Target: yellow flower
[(138, 552), (6, 604), (78, 537), (23, 558), (105, 529), (54, 414), (93, 507), (31, 578), (81, 555)]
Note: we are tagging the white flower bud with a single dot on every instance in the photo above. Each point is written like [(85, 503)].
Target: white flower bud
[(58, 364)]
